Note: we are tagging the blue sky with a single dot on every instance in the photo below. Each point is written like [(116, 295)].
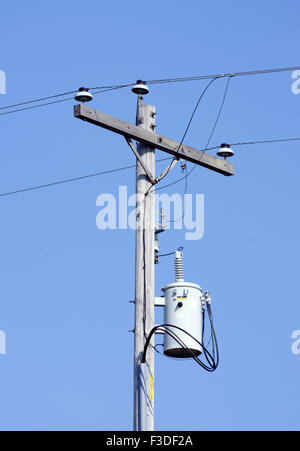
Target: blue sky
[(65, 285)]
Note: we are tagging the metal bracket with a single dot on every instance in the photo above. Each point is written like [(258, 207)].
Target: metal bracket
[(159, 301), (150, 176), (165, 172), (205, 299)]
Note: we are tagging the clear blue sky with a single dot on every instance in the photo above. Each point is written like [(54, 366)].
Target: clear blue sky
[(65, 285)]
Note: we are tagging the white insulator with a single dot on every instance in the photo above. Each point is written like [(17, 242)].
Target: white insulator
[(83, 95), (140, 88), (178, 267)]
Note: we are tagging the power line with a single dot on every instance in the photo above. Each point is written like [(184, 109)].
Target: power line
[(41, 99), (186, 130), (37, 100), (214, 126), (171, 253), (158, 81), (234, 144), (187, 174), (219, 112), (110, 88), (55, 101), (35, 106), (184, 135), (122, 85), (195, 109), (266, 141), (231, 74), (74, 179)]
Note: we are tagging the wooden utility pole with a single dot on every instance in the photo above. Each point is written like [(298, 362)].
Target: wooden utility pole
[(144, 275), (148, 140)]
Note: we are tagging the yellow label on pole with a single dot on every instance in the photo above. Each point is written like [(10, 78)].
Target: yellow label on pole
[(151, 387)]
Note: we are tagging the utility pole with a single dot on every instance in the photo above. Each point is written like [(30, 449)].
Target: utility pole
[(147, 141), (144, 275)]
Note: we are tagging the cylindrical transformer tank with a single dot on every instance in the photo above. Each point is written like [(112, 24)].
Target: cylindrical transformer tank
[(183, 308)]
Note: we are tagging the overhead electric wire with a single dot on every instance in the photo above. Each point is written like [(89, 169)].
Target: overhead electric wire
[(234, 144), (194, 110), (266, 141), (158, 81), (74, 179), (186, 129), (206, 147), (115, 87), (121, 85), (35, 106), (171, 253), (219, 112), (214, 126), (37, 100), (41, 99), (133, 166), (230, 74), (109, 88), (53, 102)]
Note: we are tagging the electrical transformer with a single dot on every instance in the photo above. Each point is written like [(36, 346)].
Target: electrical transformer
[(183, 309)]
